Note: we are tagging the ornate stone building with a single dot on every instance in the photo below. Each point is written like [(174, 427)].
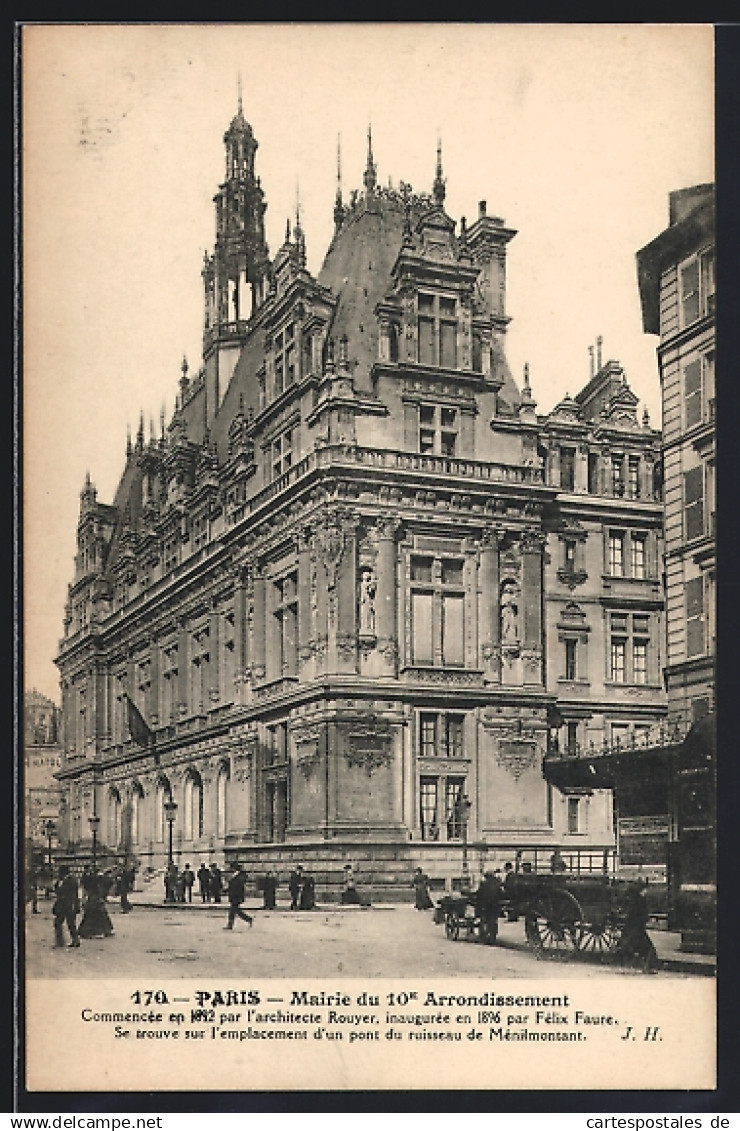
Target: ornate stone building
[(357, 578), (42, 759)]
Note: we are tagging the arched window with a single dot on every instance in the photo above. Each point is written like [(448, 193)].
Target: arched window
[(114, 832), (222, 788), (137, 798), (193, 806), (164, 793)]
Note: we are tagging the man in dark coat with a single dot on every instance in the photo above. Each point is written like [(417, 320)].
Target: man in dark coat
[(204, 880), (295, 883), (66, 907), (216, 885), (236, 893), (269, 891), (126, 885), (188, 878), (488, 905)]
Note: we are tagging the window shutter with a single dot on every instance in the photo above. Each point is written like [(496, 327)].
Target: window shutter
[(692, 393)]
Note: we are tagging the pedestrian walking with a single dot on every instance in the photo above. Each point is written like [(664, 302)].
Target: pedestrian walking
[(180, 887), (236, 893), (204, 882), (295, 882), (66, 907), (125, 886), (95, 920), (216, 885), (188, 879)]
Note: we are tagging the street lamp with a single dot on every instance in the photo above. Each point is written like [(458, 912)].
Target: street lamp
[(463, 810), (49, 829), (94, 826), (170, 810)]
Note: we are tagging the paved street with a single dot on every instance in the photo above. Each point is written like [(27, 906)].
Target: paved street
[(384, 941)]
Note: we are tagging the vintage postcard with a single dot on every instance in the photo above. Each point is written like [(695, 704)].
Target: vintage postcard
[(369, 556)]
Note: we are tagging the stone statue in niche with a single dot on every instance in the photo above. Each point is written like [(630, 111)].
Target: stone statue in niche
[(509, 613), (368, 588)]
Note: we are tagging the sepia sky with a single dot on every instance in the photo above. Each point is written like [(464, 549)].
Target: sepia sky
[(574, 135)]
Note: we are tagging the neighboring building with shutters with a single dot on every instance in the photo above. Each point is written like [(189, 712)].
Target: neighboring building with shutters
[(357, 578), (677, 289)]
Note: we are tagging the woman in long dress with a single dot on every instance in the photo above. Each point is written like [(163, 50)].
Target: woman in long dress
[(95, 919), (420, 882)]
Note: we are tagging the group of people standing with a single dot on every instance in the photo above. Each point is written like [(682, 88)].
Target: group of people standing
[(96, 887), (179, 883)]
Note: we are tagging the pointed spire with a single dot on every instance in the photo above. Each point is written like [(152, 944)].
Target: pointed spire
[(239, 93), (645, 418), (300, 239), (370, 176), (162, 414), (140, 432), (129, 445), (287, 230), (438, 189), (338, 205)]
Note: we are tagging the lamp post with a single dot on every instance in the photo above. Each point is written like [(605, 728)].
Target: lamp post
[(170, 811), (49, 829), (94, 826), (463, 808)]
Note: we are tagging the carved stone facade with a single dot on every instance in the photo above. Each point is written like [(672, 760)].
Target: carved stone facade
[(333, 588)]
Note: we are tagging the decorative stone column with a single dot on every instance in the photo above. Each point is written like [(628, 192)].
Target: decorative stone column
[(386, 615), (305, 609), (489, 624), (346, 587), (153, 704), (183, 658), (533, 543), (240, 633), (258, 624), (214, 663)]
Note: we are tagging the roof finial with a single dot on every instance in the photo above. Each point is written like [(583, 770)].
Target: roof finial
[(370, 176), (129, 445), (239, 92), (438, 189), (591, 361), (300, 239), (599, 343), (287, 230)]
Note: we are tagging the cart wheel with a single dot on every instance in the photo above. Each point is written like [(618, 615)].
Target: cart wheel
[(452, 927), (552, 924), (601, 939)]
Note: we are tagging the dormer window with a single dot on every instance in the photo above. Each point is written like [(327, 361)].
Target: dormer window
[(438, 430), (437, 331)]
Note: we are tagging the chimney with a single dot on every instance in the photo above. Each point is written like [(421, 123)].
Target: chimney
[(481, 209), (599, 342), (591, 361)]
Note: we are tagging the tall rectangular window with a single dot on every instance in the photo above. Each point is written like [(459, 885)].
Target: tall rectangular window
[(437, 612), (571, 739), (454, 815), (633, 477), (616, 555), (421, 616), (437, 330), (571, 668), (281, 453), (573, 814), (693, 487), (286, 622), (637, 555), (639, 661), (689, 291), (692, 393), (567, 468), (428, 808), (441, 735), (695, 643), (618, 476), (428, 736)]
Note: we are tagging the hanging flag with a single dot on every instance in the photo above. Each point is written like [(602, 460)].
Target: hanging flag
[(140, 732)]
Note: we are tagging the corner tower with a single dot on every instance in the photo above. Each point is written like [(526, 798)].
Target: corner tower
[(236, 274)]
